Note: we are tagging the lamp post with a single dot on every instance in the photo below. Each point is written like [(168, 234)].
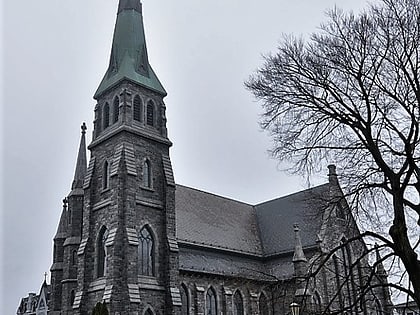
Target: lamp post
[(295, 308)]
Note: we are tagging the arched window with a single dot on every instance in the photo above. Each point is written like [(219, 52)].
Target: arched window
[(116, 108), (147, 174), (263, 304), (72, 296), (137, 108), (317, 303), (378, 307), (338, 281), (150, 113), (211, 303), (105, 180), (184, 300), (101, 252), (106, 116), (238, 304), (146, 252), (74, 258)]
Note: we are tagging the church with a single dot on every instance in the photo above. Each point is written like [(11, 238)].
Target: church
[(133, 239)]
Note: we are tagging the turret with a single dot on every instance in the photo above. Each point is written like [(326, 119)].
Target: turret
[(300, 264)]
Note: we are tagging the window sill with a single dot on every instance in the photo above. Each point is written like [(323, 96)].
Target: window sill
[(147, 188)]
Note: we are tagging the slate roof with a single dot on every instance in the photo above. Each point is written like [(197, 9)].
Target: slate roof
[(266, 229), (214, 221), (277, 217)]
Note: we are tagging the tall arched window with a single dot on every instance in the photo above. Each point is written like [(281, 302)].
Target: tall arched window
[(137, 108), (184, 300), (147, 174), (101, 252), (116, 108), (150, 113), (106, 116), (211, 302), (317, 302), (72, 296), (146, 252), (149, 312), (105, 179), (238, 304), (74, 258), (263, 304), (338, 281)]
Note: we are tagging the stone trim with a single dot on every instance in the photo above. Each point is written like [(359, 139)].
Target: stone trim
[(111, 237), (107, 294), (149, 202), (97, 285), (200, 289), (132, 237), (75, 240), (176, 297), (101, 204), (173, 244), (57, 266), (82, 246), (149, 283), (167, 168), (89, 173), (134, 293), (143, 133), (116, 159), (77, 299), (130, 159)]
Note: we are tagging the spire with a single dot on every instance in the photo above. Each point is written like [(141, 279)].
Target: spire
[(380, 269), (62, 226), (81, 164), (332, 174), (129, 60), (299, 255)]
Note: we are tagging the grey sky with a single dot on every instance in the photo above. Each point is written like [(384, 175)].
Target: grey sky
[(55, 54)]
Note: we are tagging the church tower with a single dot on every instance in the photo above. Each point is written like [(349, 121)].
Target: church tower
[(123, 244)]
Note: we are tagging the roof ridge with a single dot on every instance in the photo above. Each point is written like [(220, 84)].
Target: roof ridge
[(292, 194), (216, 195)]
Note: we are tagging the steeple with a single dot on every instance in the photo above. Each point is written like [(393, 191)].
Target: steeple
[(129, 60), (299, 255), (62, 226), (81, 164), (380, 269)]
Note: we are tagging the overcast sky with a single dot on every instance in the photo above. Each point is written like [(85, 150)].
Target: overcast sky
[(54, 55)]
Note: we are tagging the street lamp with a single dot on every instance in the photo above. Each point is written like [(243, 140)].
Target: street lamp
[(295, 308)]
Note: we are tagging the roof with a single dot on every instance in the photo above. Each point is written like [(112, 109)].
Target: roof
[(129, 60), (214, 221), (277, 217), (266, 229)]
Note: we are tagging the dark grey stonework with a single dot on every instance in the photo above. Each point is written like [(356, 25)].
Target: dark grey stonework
[(202, 243)]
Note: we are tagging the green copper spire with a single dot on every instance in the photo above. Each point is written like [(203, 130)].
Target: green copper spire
[(129, 53)]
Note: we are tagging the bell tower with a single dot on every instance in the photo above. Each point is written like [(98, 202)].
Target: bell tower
[(128, 254)]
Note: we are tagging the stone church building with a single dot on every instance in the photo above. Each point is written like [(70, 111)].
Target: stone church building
[(130, 237)]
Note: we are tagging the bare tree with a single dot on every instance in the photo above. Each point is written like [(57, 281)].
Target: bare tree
[(351, 95)]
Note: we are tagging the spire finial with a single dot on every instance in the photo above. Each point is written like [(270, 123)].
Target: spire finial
[(332, 174), (65, 202), (380, 269), (299, 255), (84, 128), (81, 164)]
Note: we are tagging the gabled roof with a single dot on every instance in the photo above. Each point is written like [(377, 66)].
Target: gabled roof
[(277, 217), (214, 221), (266, 229)]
